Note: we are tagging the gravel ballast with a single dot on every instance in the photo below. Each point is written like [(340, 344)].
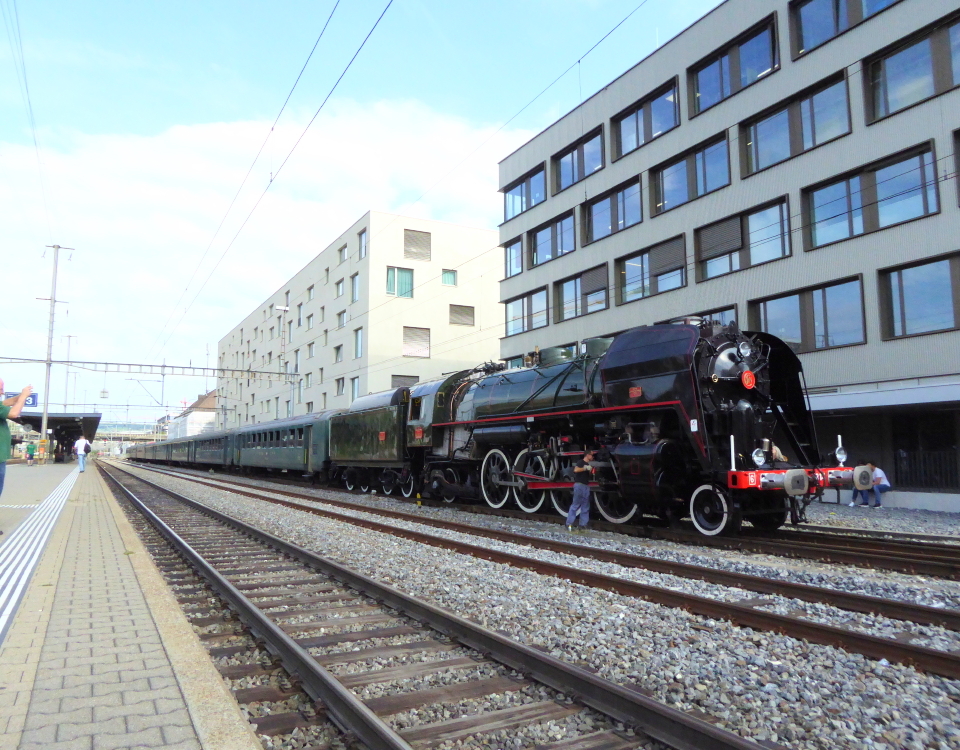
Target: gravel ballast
[(761, 685)]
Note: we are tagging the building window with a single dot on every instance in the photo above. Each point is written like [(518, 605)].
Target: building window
[(416, 245), (341, 318), (752, 238), (914, 71), (338, 353), (743, 63), (362, 237), (513, 362), (809, 121), (894, 191), (513, 258), (308, 379), (358, 343), (462, 315), (300, 391), (325, 332), (653, 270), (812, 319), (448, 278), (310, 292), (921, 298), (582, 294), (339, 288), (309, 322), (299, 315), (416, 342), (289, 330), (404, 381), (272, 332), (289, 408), (647, 120), (296, 360), (400, 281), (309, 407), (614, 212), (320, 376), (724, 316), (552, 241), (527, 312), (340, 382), (700, 172), (579, 161), (311, 348), (354, 389), (524, 194), (355, 287), (819, 21), (326, 275), (286, 299), (342, 254)]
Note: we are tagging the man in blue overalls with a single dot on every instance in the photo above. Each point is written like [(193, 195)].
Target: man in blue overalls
[(581, 492)]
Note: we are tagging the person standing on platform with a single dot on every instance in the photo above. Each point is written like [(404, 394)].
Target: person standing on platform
[(31, 450), (82, 448), (9, 409), (581, 492)]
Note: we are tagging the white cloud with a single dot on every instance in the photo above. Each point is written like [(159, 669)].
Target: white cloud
[(141, 210)]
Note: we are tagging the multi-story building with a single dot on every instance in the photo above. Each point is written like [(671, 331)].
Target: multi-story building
[(392, 301), (790, 165)]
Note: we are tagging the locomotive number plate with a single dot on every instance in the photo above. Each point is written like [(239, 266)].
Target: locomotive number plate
[(383, 436), (636, 391), (418, 433)]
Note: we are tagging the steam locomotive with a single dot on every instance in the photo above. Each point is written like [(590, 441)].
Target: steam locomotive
[(689, 419)]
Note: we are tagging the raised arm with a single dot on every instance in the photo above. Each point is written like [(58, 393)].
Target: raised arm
[(16, 403)]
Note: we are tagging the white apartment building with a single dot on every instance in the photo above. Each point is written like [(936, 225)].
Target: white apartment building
[(393, 301), (787, 164)]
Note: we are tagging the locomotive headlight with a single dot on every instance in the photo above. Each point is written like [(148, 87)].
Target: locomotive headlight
[(841, 454), (745, 349), (759, 457)]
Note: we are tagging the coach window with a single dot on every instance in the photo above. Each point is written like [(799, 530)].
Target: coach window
[(914, 70), (648, 119), (613, 212), (578, 162), (551, 241), (527, 312), (513, 258), (815, 318), (656, 269), (818, 21), (808, 121), (699, 172), (752, 238), (921, 298), (744, 62), (525, 193), (898, 189)]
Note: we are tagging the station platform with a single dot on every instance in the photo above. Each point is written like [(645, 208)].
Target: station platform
[(95, 651)]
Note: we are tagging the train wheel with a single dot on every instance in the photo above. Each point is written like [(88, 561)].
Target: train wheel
[(529, 501), (408, 487), (364, 482), (495, 469), (771, 521), (614, 507), (388, 487), (450, 474), (350, 480), (561, 499), (712, 513)]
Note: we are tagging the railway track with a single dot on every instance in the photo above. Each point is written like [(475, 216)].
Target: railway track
[(746, 614), (297, 603)]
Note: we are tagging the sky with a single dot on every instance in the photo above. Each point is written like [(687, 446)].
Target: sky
[(148, 115)]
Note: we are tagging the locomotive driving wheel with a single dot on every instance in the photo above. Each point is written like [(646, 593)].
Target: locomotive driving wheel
[(408, 488), (561, 499), (530, 501), (495, 471), (614, 507), (350, 480), (451, 475), (388, 485), (712, 512)]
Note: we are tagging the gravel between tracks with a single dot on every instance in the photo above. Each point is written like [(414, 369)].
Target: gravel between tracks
[(761, 685)]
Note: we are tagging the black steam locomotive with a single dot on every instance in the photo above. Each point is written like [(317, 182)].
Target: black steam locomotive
[(691, 419)]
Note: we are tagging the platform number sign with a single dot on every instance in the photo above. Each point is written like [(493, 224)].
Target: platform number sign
[(32, 400)]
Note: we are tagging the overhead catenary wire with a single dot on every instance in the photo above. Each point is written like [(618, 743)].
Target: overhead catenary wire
[(279, 169), (246, 176)]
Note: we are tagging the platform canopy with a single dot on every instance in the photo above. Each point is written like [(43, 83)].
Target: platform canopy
[(66, 427)]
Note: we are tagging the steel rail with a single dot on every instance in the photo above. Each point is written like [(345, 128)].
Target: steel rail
[(661, 722), (942, 663), (343, 707), (897, 610)]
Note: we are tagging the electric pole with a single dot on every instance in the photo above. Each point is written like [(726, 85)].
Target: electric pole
[(46, 385), (66, 379)]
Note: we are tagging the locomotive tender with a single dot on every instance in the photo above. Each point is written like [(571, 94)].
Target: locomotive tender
[(690, 419)]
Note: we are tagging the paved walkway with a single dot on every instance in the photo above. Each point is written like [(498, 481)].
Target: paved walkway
[(99, 655)]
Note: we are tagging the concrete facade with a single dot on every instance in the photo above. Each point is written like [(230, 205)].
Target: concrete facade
[(446, 318), (879, 381)]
